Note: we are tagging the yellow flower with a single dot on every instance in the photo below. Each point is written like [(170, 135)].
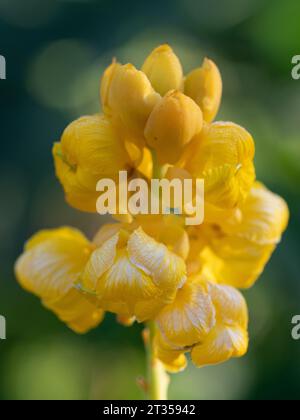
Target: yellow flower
[(50, 266), (206, 319), (131, 274), (163, 69), (171, 126), (229, 338), (152, 267), (90, 149), (223, 156), (235, 248), (204, 85)]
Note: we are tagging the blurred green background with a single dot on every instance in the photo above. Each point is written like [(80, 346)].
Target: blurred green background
[(55, 52)]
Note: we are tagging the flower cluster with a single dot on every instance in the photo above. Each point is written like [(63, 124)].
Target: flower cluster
[(185, 279)]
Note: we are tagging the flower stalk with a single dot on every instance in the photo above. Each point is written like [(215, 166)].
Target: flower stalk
[(157, 378)]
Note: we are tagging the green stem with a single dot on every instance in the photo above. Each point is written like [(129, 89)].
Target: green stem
[(158, 380), (159, 171)]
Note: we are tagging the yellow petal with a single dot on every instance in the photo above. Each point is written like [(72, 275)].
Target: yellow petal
[(235, 262), (127, 290), (167, 269), (204, 85), (173, 123), (106, 232), (124, 280), (131, 97), (77, 312), (223, 343), (240, 247), (50, 266), (52, 262), (174, 360), (223, 156), (163, 69), (90, 150), (100, 261), (230, 305), (264, 217), (188, 319), (168, 229), (106, 79)]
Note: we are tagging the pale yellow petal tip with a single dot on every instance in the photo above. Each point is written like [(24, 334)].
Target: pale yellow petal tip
[(105, 84), (163, 48)]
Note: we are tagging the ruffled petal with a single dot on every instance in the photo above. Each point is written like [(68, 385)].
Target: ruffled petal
[(223, 343), (167, 269), (100, 261), (167, 229), (230, 305), (90, 150), (52, 262), (236, 250), (264, 217), (50, 266), (131, 274), (223, 156), (188, 319)]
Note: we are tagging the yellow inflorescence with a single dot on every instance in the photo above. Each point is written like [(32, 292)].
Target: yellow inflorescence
[(155, 268)]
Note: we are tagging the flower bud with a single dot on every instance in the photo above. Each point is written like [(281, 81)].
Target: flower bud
[(173, 123), (105, 84), (163, 69), (128, 94), (204, 85)]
